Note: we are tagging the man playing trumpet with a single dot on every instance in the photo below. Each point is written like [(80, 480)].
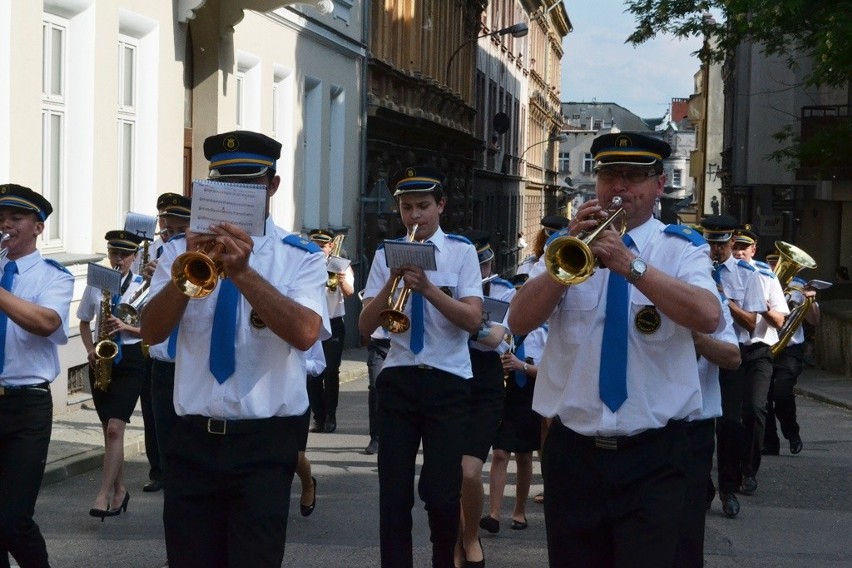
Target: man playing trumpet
[(619, 372), (424, 386)]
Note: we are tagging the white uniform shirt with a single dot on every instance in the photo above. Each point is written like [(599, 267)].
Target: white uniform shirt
[(315, 360), (741, 284), (269, 379), (334, 298), (526, 265), (796, 298), (534, 344), (90, 308), (444, 344), (708, 373), (504, 291), (774, 298), (32, 359), (662, 375)]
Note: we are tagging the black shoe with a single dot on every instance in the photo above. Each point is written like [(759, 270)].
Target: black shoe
[(730, 505), (319, 426), (372, 448), (153, 485), (99, 513), (330, 424), (519, 525), (795, 444), (477, 563), (120, 508), (770, 451), (749, 485), (711, 494), (490, 524), (306, 510)]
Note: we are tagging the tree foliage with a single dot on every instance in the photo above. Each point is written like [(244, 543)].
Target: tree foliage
[(815, 32)]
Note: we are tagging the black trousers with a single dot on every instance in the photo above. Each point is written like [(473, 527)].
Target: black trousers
[(227, 495), (377, 350), (152, 447), (26, 419), (324, 390), (614, 508), (690, 547), (730, 432), (757, 361), (163, 407), (429, 406), (786, 369)]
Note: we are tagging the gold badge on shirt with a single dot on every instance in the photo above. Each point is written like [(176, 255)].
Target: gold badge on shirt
[(648, 320), (255, 320)]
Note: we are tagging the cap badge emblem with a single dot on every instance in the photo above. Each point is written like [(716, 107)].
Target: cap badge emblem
[(409, 172), (231, 143), (622, 141)]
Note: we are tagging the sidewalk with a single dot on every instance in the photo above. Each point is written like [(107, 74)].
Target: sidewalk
[(76, 445)]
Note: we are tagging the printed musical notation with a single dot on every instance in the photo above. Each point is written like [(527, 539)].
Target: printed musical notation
[(215, 202), (398, 253)]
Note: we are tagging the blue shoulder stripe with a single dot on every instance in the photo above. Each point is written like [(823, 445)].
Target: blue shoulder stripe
[(687, 233), (557, 234), (744, 264), (761, 264), (57, 264), (799, 280), (301, 243), (502, 282), (459, 238), (176, 237), (768, 273), (137, 278)]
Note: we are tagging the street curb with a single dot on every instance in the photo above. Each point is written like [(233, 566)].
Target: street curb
[(822, 398), (65, 468)]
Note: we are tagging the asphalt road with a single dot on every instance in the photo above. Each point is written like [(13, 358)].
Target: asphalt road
[(801, 515)]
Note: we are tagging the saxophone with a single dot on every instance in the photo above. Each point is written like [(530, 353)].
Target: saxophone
[(336, 247), (105, 348)]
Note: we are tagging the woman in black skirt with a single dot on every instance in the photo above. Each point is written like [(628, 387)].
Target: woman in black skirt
[(115, 404)]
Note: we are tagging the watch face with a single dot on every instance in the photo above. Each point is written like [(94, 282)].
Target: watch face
[(638, 265)]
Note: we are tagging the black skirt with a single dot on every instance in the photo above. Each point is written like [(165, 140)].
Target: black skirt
[(486, 402), (124, 388), (520, 427)]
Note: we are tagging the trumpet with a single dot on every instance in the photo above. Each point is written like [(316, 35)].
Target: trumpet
[(128, 312), (393, 319), (197, 272), (4, 251), (570, 260)]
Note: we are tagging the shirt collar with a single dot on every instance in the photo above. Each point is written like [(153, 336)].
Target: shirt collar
[(439, 239), (25, 262), (642, 234)]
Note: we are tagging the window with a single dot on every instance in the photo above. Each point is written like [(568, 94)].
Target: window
[(53, 114), (127, 118), (588, 163), (240, 80), (677, 178), (564, 161)]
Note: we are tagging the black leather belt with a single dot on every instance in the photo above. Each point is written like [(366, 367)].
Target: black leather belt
[(383, 343), (26, 390), (621, 442), (228, 427)]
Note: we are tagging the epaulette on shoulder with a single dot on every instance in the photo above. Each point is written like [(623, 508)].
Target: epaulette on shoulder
[(687, 233), (459, 238), (557, 234), (502, 282), (767, 272), (743, 264), (530, 259), (800, 281), (381, 245), (301, 243), (57, 264), (137, 278), (177, 237), (761, 264)]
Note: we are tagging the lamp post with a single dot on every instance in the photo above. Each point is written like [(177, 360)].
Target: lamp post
[(517, 30), (561, 137)]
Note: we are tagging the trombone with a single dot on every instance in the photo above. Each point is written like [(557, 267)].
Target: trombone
[(393, 319), (570, 260)]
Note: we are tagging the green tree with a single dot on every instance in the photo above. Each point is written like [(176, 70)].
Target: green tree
[(814, 35)]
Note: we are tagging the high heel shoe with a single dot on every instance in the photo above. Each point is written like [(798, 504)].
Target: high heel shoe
[(306, 510), (476, 563), (120, 508), (102, 513)]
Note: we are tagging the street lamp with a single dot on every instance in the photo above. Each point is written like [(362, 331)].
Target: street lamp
[(517, 30), (561, 137)]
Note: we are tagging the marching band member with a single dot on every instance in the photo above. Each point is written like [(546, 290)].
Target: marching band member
[(116, 404), (618, 372), (35, 299), (424, 384)]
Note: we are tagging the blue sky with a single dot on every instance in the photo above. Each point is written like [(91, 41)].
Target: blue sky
[(597, 64)]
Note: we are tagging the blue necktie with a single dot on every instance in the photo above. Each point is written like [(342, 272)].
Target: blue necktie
[(520, 376), (613, 369), (415, 342), (171, 347), (116, 298), (717, 277), (222, 358), (6, 283)]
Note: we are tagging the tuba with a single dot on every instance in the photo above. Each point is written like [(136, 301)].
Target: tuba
[(197, 272), (569, 260), (393, 318), (105, 348), (791, 260), (336, 248)]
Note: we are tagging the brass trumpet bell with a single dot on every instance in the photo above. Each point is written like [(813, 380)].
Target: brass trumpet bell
[(791, 260), (393, 319), (570, 260), (196, 273)]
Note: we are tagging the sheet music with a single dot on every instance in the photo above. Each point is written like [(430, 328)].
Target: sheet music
[(103, 278), (337, 264), (144, 226), (243, 204), (398, 253), (494, 310)]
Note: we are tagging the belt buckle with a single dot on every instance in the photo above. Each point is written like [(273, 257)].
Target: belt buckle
[(425, 367), (211, 430), (606, 442), (2, 391)]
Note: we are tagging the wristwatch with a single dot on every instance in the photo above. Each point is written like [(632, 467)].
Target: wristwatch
[(637, 270), (526, 366)]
